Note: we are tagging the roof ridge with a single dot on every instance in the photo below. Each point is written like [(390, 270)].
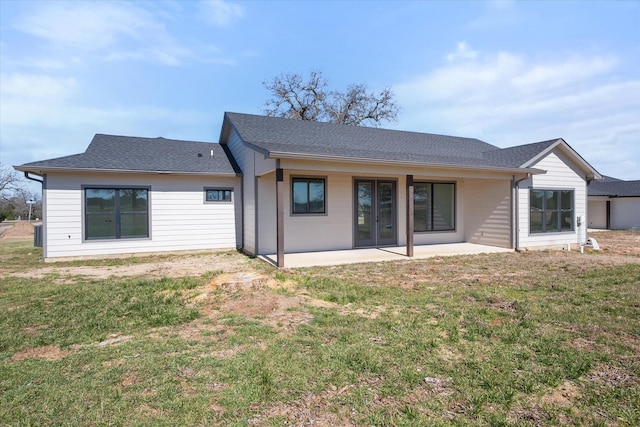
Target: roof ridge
[(368, 128)]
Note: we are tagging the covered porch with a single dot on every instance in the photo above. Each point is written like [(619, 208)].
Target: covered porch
[(382, 254)]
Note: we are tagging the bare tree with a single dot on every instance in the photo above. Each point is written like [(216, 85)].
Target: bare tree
[(10, 182), (357, 107), (22, 199), (295, 98)]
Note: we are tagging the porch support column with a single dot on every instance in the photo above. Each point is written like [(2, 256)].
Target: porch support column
[(280, 216), (410, 215)]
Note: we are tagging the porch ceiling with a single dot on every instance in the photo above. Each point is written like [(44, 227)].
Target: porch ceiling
[(396, 253)]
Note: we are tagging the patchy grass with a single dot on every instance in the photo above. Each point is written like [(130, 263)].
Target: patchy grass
[(539, 338), (18, 255)]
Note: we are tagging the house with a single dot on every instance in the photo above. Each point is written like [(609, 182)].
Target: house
[(614, 204), (276, 186), (127, 195)]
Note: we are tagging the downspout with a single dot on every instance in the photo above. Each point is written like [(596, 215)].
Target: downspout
[(44, 211), (26, 175), (516, 187), (589, 178)]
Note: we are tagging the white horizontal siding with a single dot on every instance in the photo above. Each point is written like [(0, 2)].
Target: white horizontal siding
[(560, 176), (487, 216), (179, 217)]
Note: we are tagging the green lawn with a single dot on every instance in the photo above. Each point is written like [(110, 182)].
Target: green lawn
[(537, 338)]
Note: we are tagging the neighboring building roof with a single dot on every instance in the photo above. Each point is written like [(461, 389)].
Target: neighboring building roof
[(126, 153), (281, 137), (614, 188), (606, 178)]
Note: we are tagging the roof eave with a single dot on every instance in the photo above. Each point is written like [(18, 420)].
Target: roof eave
[(38, 170), (303, 156), (227, 126), (592, 173)]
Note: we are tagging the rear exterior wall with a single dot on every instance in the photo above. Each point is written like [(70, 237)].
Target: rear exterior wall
[(560, 175), (482, 212), (179, 218)]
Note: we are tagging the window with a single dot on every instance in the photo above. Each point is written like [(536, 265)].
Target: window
[(218, 195), (308, 195), (116, 213), (550, 211), (434, 206)]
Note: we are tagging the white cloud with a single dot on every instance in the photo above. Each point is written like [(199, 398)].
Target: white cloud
[(88, 25), (36, 86), (509, 99), (221, 14), (559, 74), (105, 29), (463, 51), (32, 131), (121, 31)]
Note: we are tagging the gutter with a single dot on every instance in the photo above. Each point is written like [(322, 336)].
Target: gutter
[(134, 171)]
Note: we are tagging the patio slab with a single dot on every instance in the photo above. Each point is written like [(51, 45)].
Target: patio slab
[(396, 253)]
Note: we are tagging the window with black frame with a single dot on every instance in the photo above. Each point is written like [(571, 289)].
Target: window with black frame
[(434, 206), (551, 211), (213, 195), (116, 213), (308, 195)]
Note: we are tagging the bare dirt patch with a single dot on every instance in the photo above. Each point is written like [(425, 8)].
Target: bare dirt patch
[(617, 247), (49, 352), (311, 408), (180, 265), (154, 265), (275, 310), (246, 293), (611, 376), (564, 395), (18, 230)]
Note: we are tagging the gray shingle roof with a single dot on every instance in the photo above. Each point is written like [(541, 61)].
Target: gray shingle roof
[(111, 152), (275, 135), (281, 135), (519, 155), (614, 188)]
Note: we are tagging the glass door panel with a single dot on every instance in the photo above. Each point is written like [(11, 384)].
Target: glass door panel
[(364, 214), (375, 210), (386, 213)]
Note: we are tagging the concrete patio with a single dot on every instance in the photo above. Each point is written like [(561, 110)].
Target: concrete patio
[(396, 253)]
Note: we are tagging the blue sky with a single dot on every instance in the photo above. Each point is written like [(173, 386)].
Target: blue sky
[(506, 72)]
